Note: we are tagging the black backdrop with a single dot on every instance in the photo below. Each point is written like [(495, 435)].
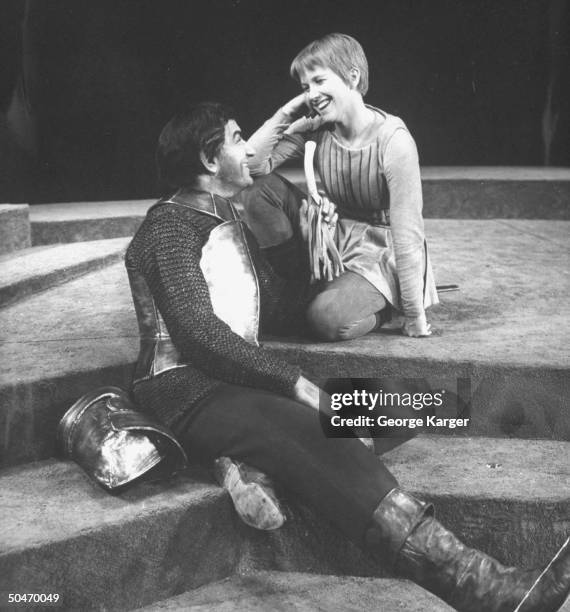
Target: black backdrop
[(479, 82)]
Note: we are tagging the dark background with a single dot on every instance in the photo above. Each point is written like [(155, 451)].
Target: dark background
[(478, 82)]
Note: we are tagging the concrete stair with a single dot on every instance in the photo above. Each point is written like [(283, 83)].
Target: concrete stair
[(85, 221), (63, 534), (31, 270), (157, 540), (65, 341), (263, 591), (449, 192), (67, 326), (494, 192), (14, 227)]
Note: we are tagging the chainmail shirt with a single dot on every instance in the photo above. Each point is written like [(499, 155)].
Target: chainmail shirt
[(167, 250)]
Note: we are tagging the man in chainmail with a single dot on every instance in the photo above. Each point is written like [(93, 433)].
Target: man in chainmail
[(202, 290)]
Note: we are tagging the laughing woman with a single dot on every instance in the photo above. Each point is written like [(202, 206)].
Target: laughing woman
[(369, 169)]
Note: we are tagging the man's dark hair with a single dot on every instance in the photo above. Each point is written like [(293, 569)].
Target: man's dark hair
[(199, 129)]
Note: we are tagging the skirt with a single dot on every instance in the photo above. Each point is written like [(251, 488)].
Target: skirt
[(368, 250)]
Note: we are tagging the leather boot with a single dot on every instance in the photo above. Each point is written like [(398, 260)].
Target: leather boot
[(405, 534), (252, 494)]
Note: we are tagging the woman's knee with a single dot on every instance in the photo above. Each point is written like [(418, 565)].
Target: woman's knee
[(323, 318), (331, 323)]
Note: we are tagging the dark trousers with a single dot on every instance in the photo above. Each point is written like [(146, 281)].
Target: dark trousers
[(337, 477)]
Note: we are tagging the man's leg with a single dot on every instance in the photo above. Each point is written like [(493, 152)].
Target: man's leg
[(339, 478), (347, 308), (252, 493), (271, 211), (351, 488)]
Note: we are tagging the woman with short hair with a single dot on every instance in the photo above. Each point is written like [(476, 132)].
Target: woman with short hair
[(369, 168)]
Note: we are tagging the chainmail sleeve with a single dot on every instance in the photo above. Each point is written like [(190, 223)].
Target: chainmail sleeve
[(169, 258)]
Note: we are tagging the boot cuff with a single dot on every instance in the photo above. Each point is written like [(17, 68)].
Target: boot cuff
[(392, 522)]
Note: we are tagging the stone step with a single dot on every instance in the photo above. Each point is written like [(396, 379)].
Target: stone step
[(264, 591), (488, 192), (156, 540), (63, 534), (28, 271), (494, 332), (449, 192), (14, 227), (510, 498), (491, 490), (85, 221)]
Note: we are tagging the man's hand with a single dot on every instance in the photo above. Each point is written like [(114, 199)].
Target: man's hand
[(307, 393)]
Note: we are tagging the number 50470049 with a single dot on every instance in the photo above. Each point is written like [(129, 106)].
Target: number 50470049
[(28, 598)]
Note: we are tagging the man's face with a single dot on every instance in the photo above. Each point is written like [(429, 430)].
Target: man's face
[(233, 171)]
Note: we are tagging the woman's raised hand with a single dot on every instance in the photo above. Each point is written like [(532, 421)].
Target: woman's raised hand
[(295, 106), (294, 111)]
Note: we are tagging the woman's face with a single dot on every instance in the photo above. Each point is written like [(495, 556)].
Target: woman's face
[(326, 93)]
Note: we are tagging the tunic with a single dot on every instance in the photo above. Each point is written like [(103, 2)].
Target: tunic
[(377, 191)]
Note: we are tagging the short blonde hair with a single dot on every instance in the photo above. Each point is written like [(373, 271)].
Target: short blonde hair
[(339, 52)]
